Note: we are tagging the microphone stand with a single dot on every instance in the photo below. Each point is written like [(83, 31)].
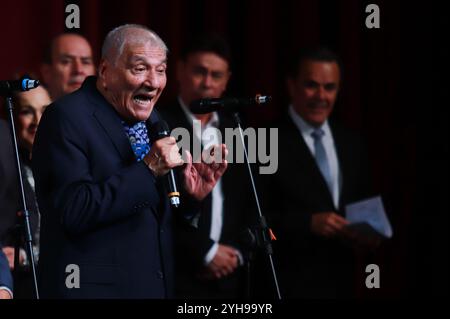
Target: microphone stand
[(26, 213), (262, 230)]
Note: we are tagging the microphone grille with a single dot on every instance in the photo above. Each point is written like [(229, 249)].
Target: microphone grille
[(28, 84), (159, 130)]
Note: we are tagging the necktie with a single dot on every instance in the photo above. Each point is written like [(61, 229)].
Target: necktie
[(321, 157), (138, 136)]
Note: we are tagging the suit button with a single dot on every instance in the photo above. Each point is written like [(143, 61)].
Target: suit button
[(161, 231), (160, 275)]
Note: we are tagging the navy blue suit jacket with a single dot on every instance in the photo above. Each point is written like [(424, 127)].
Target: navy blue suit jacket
[(5, 274), (101, 209)]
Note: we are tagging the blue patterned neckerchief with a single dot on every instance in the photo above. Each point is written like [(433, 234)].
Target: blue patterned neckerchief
[(138, 136)]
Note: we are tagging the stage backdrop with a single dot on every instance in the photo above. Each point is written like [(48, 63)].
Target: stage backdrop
[(380, 84)]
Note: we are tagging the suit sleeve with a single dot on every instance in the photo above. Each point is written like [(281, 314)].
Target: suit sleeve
[(61, 164), (5, 274)]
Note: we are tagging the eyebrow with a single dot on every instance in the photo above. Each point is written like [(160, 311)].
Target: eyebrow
[(70, 56), (25, 107), (139, 58), (324, 84)]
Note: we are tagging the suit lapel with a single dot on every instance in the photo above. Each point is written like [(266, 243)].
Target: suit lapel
[(302, 154), (154, 117), (109, 120)]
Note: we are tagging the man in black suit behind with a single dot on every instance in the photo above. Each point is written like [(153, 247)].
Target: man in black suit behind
[(9, 196), (209, 253), (322, 167), (106, 223)]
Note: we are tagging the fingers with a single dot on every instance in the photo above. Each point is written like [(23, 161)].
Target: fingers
[(188, 162), (328, 224), (230, 259), (168, 152), (4, 294), (215, 154), (222, 167), (228, 250), (224, 151), (336, 222), (163, 156), (215, 158), (224, 262), (187, 171), (229, 265), (188, 156)]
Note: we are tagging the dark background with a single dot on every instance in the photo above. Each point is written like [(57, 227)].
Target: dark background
[(392, 83)]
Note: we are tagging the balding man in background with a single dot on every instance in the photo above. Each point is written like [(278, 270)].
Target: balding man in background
[(67, 62)]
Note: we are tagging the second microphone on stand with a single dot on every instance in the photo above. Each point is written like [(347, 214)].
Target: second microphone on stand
[(231, 104)]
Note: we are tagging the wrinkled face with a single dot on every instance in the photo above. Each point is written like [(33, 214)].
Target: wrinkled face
[(71, 64), (135, 82), (202, 75), (30, 106), (314, 91)]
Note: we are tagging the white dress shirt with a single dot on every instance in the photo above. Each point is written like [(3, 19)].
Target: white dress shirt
[(328, 142), (210, 137)]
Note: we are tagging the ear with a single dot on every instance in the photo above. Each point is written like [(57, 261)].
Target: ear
[(103, 70)]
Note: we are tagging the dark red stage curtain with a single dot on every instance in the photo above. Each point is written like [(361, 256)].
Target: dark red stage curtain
[(377, 98)]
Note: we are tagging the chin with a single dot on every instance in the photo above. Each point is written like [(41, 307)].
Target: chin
[(143, 115), (315, 121)]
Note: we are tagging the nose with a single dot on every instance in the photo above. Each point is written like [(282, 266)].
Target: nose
[(207, 81), (37, 118), (77, 66), (151, 80), (321, 93)]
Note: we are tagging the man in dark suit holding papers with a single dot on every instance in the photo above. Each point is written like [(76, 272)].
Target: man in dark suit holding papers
[(322, 167)]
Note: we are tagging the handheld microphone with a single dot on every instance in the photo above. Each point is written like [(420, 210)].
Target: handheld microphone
[(24, 84), (232, 104), (157, 131)]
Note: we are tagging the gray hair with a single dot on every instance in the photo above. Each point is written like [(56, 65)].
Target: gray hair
[(117, 38)]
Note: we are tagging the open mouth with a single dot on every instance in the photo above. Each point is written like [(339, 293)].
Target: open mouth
[(142, 99)]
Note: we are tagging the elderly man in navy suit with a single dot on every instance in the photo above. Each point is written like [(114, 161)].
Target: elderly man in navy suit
[(106, 222)]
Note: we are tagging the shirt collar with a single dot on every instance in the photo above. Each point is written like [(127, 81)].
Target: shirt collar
[(213, 121), (304, 127)]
